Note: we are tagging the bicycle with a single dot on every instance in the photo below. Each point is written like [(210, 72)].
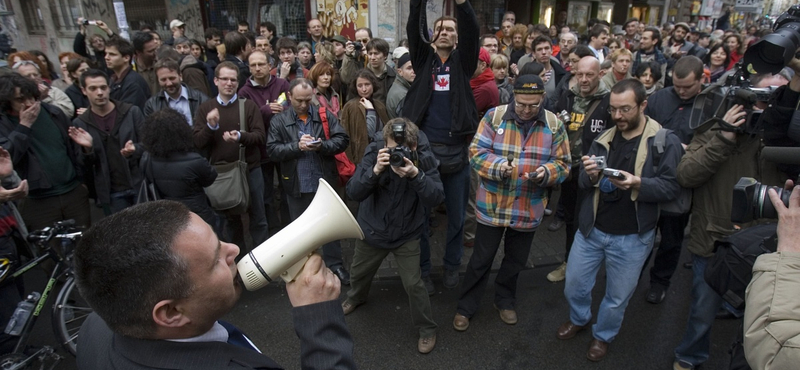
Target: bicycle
[(69, 310)]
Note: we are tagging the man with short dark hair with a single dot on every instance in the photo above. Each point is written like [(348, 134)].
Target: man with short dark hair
[(397, 94), (618, 218), (35, 134), (242, 27), (146, 46), (598, 36), (306, 155), (680, 46), (217, 130), (126, 84), (110, 133), (672, 107), (237, 48), (649, 51), (377, 54), (631, 35), (444, 108), (173, 279), (213, 38), (174, 93), (289, 67), (490, 43), (553, 72)]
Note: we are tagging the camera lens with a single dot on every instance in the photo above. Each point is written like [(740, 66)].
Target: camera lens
[(397, 159), (764, 207)]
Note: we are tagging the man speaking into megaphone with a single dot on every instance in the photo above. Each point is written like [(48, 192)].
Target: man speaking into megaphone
[(159, 280)]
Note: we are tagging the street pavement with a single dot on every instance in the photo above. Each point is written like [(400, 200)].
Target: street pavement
[(386, 339)]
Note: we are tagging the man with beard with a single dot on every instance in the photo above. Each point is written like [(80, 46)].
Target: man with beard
[(672, 108), (632, 35), (618, 218), (146, 46), (174, 93), (649, 51)]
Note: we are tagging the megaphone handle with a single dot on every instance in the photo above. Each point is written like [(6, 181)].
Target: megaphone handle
[(289, 275)]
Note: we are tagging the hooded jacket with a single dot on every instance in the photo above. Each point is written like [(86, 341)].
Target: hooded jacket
[(159, 102), (485, 91), (194, 75), (463, 62), (128, 126), (658, 184)]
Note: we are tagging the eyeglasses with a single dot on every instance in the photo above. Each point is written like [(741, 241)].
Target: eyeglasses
[(623, 110), (526, 106)]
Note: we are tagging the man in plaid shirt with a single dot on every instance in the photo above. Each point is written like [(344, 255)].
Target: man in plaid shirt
[(520, 149)]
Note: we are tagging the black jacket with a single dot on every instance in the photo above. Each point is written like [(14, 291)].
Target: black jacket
[(392, 209), (128, 126), (159, 102), (463, 62), (99, 57), (244, 69), (76, 96), (16, 139), (182, 177), (666, 107), (132, 89), (283, 146)]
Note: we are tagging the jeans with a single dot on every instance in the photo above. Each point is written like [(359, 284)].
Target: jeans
[(624, 256), (487, 240), (367, 260), (259, 230), (695, 345), (331, 252), (669, 249), (456, 190), (119, 201)]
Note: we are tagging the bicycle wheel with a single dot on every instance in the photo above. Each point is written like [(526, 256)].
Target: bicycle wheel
[(69, 312)]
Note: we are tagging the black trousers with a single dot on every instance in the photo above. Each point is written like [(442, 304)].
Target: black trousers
[(487, 241), (668, 253)]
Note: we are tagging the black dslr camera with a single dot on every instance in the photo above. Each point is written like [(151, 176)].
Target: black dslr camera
[(398, 154), (751, 201)]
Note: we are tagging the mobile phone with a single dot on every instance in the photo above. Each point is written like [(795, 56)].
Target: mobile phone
[(614, 174), (315, 142)]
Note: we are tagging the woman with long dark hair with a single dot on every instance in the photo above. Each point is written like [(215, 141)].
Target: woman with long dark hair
[(75, 67), (717, 60), (362, 116), (178, 172)]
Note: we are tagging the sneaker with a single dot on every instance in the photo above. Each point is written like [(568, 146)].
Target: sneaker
[(558, 274), (681, 365), (450, 279), (429, 285), (656, 294)]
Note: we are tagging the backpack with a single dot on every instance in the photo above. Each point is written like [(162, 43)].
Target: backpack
[(730, 269), (500, 111), (683, 203)]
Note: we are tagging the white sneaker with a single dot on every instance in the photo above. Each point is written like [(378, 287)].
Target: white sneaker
[(558, 274)]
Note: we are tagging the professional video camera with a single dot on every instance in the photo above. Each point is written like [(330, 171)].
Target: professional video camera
[(751, 201), (776, 50)]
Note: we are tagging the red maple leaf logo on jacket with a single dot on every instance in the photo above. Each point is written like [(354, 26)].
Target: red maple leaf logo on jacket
[(442, 82)]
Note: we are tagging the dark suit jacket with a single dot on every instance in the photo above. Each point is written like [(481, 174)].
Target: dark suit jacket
[(325, 343)]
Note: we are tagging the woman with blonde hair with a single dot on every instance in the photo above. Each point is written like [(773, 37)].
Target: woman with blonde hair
[(499, 66)]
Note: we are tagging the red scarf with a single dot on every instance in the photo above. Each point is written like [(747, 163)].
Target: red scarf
[(482, 78)]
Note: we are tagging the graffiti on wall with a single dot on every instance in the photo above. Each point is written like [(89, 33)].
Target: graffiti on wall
[(95, 9), (343, 17)]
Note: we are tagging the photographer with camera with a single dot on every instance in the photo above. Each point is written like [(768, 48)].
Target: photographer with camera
[(395, 182), (97, 42), (719, 154), (771, 318)]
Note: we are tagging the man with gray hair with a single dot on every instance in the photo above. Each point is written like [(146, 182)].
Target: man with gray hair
[(566, 41), (50, 95)]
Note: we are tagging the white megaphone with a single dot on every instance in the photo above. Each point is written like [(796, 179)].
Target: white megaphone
[(326, 219)]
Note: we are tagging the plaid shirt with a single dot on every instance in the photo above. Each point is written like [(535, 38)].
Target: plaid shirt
[(515, 202)]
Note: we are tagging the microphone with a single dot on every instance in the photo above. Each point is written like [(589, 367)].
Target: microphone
[(510, 159), (779, 154)]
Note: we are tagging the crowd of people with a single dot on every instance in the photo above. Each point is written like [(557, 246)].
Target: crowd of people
[(602, 115)]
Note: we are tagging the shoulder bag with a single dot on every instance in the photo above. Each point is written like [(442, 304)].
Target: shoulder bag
[(230, 192)]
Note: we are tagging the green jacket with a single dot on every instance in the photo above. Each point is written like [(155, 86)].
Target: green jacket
[(711, 166)]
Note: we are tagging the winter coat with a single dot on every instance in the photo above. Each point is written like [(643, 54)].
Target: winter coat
[(131, 89), (194, 75), (396, 95), (128, 126), (182, 177)]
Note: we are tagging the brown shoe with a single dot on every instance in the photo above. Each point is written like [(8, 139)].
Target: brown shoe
[(508, 316), (425, 345), (460, 322), (568, 330), (348, 307), (597, 350)]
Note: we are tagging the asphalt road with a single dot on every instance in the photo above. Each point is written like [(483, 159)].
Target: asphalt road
[(385, 339)]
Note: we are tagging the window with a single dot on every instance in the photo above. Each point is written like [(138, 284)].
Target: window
[(65, 15), (33, 17), (150, 12)]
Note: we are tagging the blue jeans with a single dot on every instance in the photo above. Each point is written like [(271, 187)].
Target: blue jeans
[(456, 190), (624, 256), (694, 348)]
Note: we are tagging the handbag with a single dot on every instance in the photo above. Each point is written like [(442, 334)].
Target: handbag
[(230, 192), (147, 191), (344, 166)]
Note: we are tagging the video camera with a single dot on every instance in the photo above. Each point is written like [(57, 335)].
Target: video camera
[(712, 103), (751, 201)]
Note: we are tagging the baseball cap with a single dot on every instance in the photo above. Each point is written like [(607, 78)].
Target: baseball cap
[(176, 23), (340, 39), (399, 51)]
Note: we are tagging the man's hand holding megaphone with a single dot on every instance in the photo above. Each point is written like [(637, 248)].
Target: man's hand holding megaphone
[(315, 284)]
